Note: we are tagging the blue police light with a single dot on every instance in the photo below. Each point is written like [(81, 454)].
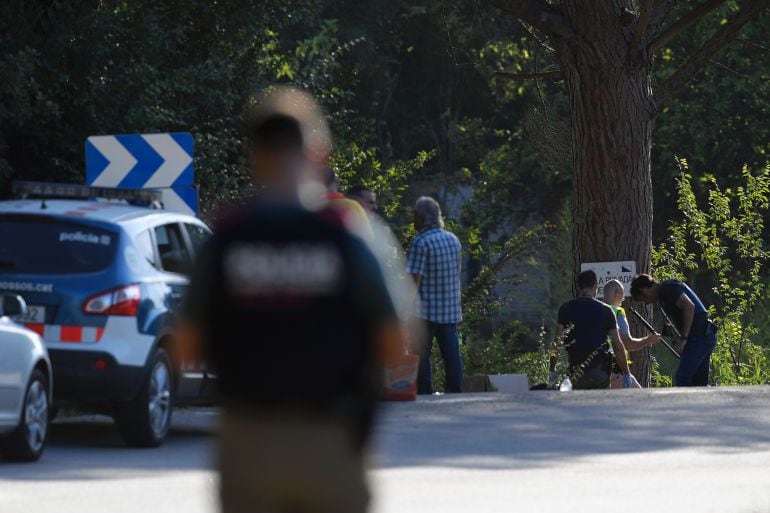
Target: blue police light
[(51, 190)]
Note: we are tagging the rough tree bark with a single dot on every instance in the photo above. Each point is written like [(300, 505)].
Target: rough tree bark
[(612, 112)]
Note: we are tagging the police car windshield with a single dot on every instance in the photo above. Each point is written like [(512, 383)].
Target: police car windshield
[(44, 245)]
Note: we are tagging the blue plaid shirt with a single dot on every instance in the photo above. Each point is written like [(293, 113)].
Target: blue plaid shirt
[(436, 256)]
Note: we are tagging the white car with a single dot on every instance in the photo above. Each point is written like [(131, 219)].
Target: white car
[(25, 386)]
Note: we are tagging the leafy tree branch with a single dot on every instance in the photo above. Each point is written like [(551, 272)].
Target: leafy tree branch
[(683, 23), (695, 64)]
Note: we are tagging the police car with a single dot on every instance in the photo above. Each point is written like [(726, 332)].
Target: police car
[(102, 279)]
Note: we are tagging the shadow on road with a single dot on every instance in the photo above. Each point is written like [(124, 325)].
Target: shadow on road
[(546, 428), (91, 448), (93, 435)]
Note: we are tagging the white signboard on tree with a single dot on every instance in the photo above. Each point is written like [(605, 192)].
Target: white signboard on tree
[(624, 272)]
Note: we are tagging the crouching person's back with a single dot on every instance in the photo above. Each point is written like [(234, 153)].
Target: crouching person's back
[(584, 326)]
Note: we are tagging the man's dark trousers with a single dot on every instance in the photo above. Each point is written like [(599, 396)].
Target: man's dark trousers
[(693, 370), (446, 336)]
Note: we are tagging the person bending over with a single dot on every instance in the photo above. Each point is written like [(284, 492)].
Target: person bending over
[(686, 310)]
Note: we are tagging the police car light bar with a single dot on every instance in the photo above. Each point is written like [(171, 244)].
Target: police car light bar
[(52, 190)]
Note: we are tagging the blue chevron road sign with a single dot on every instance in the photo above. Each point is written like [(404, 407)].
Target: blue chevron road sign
[(145, 161)]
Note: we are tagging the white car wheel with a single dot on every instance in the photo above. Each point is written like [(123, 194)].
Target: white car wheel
[(27, 442), (145, 421)]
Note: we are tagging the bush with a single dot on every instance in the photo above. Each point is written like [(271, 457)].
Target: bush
[(721, 245)]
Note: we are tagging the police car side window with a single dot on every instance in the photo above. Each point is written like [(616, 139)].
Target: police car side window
[(144, 245), (173, 253), (198, 235)]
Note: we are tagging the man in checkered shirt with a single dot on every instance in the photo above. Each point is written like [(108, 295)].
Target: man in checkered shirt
[(434, 262)]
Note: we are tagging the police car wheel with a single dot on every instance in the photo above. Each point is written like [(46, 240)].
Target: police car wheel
[(27, 442), (144, 422)]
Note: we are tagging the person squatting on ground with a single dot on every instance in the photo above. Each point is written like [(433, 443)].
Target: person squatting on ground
[(698, 334), (613, 296), (584, 323), (434, 261), (293, 312)]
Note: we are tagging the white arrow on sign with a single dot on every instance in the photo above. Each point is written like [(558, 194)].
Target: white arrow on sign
[(121, 161), (172, 202), (175, 160)]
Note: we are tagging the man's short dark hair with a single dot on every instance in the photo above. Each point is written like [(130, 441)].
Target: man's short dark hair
[(356, 190), (641, 281), (287, 120), (587, 279), (275, 131)]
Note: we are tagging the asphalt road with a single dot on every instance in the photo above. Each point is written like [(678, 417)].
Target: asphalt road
[(630, 451), (86, 468), (682, 451)]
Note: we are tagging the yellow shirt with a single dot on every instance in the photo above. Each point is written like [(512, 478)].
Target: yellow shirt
[(354, 216)]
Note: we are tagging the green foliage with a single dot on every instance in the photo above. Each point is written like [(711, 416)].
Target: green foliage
[(761, 317), (723, 243), (659, 379), (558, 265), (500, 352), (479, 302), (719, 121), (354, 165), (501, 355), (122, 67)]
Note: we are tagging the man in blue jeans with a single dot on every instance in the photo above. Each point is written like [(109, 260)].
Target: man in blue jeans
[(684, 307), (434, 262)]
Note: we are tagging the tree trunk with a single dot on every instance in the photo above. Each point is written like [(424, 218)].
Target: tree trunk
[(612, 113)]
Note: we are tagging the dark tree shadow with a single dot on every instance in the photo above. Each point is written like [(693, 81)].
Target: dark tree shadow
[(90, 447), (545, 428)]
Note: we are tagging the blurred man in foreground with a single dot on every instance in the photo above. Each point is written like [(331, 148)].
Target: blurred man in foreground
[(584, 324), (698, 334), (293, 312), (613, 296)]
